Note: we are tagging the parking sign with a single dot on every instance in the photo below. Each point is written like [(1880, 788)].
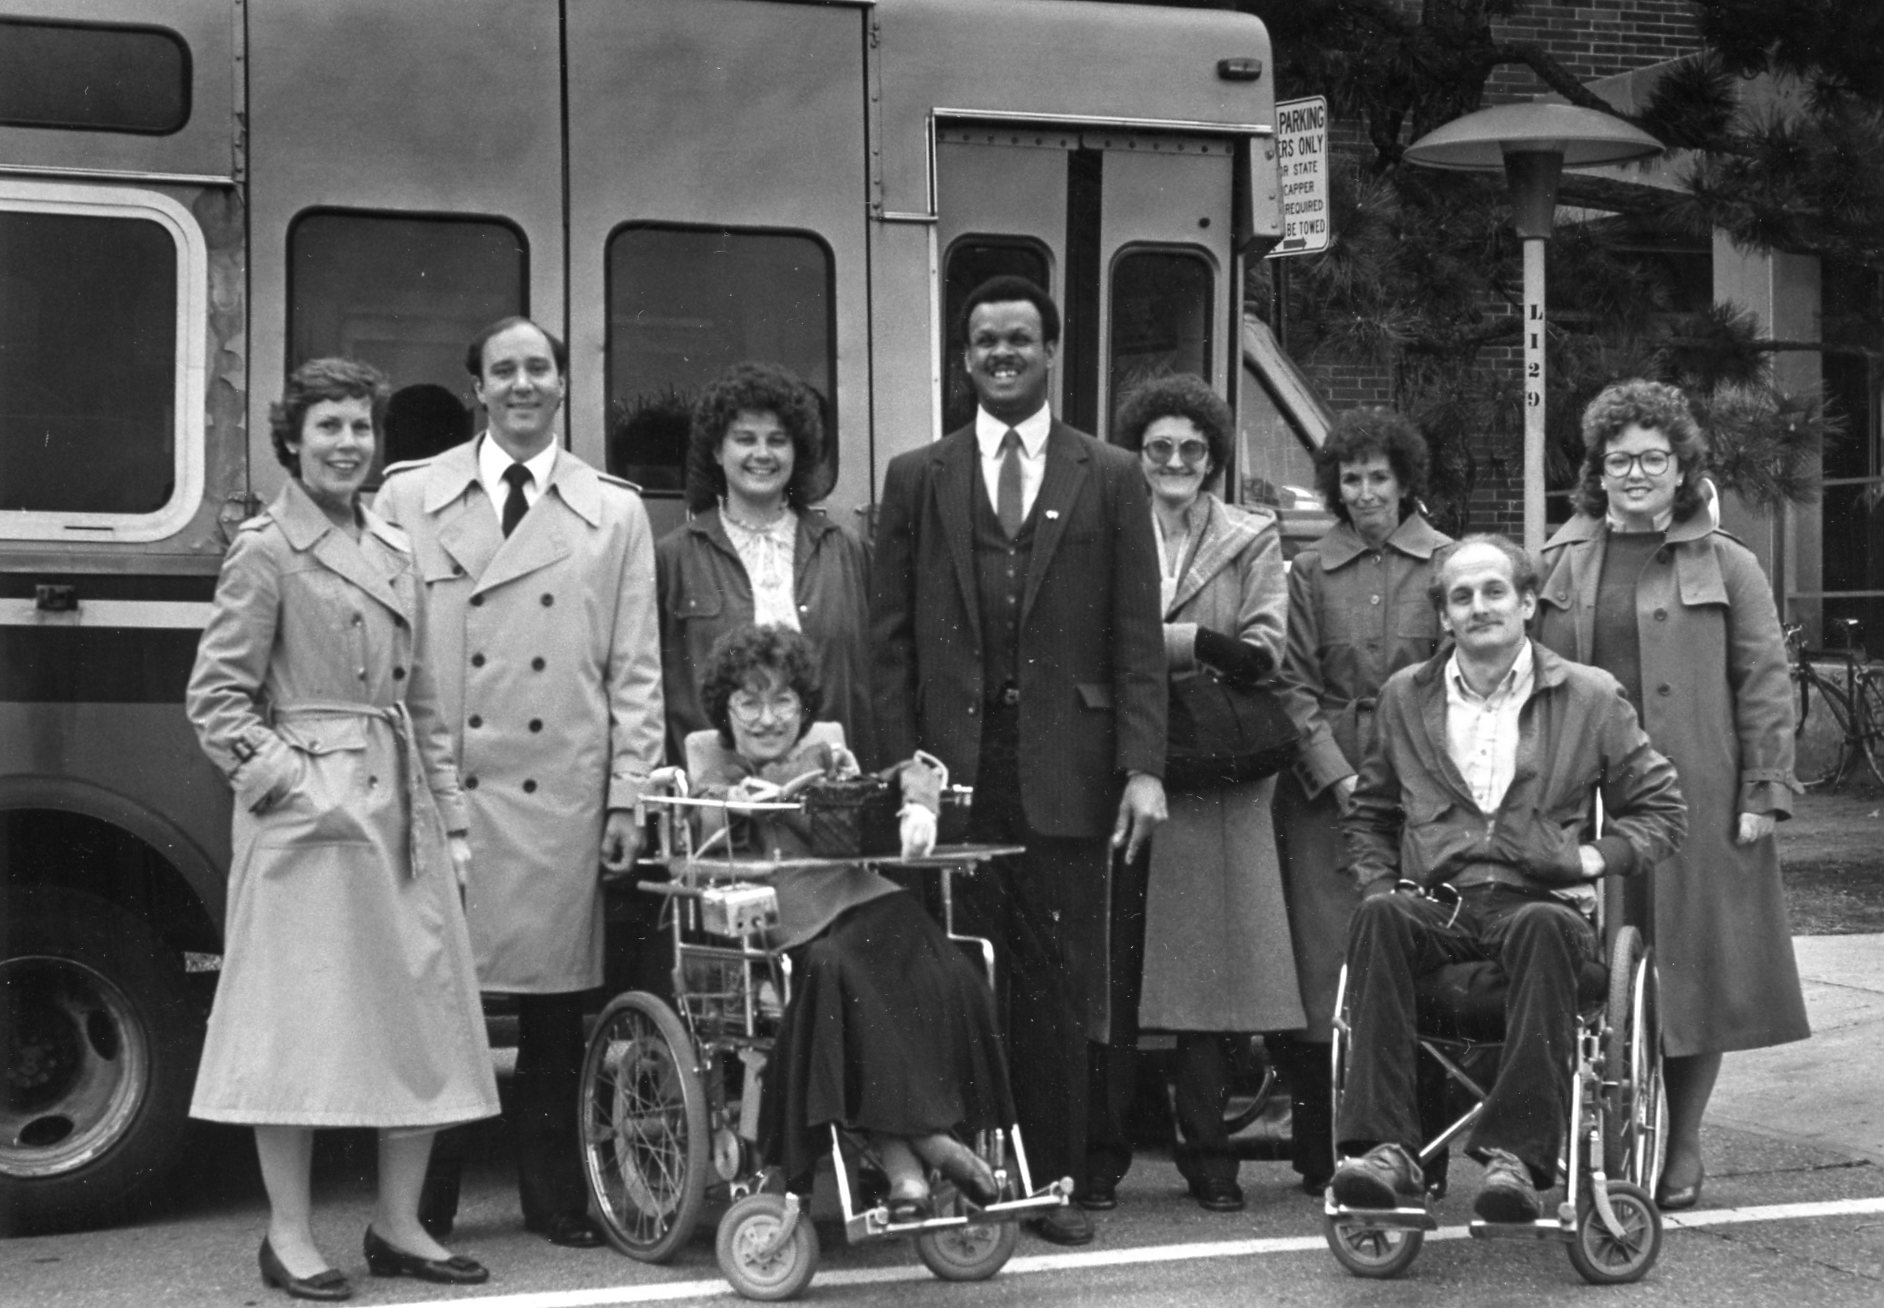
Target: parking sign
[(1302, 163)]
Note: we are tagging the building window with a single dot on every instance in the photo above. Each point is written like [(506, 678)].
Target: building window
[(404, 294), (686, 303), (972, 261), (1162, 315), (102, 324), (93, 77)]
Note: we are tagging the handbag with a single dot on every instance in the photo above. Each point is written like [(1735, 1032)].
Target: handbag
[(1219, 734)]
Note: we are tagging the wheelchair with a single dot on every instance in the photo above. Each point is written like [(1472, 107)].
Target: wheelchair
[(669, 1107), (1612, 1153)]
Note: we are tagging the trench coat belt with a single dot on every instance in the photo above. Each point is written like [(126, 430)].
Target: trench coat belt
[(424, 838)]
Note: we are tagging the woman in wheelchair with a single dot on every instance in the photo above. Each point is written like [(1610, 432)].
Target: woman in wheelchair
[(890, 1031)]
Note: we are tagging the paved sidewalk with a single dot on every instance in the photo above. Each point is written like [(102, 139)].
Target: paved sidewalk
[(1828, 1091)]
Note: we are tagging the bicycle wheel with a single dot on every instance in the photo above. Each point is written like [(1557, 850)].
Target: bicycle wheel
[(1869, 723), (1827, 769)]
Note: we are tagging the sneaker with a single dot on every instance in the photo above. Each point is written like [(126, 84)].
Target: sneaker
[(1386, 1176), (1507, 1194)]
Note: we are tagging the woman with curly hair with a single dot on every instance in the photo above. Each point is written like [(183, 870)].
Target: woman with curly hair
[(754, 551), (1643, 584), (1358, 613), (890, 1030)]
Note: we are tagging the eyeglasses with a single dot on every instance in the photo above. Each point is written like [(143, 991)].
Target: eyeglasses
[(1654, 462), (749, 710), (1190, 449)]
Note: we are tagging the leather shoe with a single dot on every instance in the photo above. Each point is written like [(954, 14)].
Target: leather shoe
[(1098, 1197), (1316, 1186), (383, 1259), (1386, 1176), (1217, 1196), (1067, 1224), (1507, 1194), (570, 1230), (910, 1204), (326, 1284), (1672, 1199)]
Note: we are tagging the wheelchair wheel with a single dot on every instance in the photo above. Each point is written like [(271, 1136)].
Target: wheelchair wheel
[(1370, 1251), (753, 1257), (1602, 1258), (644, 1127), (966, 1253), (1634, 1114)]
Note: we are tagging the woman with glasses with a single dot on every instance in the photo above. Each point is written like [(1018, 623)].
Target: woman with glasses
[(1358, 613), (890, 1030), (1643, 584), (1217, 961)]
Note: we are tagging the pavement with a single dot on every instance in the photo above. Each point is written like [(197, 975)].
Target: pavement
[(1827, 1092)]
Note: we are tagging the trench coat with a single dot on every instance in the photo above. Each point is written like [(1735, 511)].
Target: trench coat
[(1218, 953), (1356, 616), (705, 593), (1717, 700), (547, 655), (347, 995)]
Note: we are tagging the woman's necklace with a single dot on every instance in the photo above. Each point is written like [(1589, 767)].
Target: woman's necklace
[(759, 528)]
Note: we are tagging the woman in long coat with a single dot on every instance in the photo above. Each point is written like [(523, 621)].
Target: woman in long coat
[(1358, 613), (1218, 962), (753, 550), (1643, 584), (347, 995)]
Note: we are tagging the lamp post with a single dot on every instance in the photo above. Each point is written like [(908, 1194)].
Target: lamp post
[(1533, 143)]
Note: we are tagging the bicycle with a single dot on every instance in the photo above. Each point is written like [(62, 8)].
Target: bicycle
[(1857, 708)]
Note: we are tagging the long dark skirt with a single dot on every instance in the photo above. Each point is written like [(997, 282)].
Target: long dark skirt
[(890, 1029)]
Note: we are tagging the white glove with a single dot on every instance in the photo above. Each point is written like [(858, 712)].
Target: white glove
[(917, 827)]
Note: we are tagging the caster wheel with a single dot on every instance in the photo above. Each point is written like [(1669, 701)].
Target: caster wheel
[(1370, 1252), (967, 1253), (1603, 1258), (752, 1256)]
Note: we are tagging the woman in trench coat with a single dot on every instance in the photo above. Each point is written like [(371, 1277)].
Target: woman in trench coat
[(1643, 584), (1358, 613), (347, 995), (1219, 964)]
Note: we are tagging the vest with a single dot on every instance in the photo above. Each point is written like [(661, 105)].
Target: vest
[(1000, 580)]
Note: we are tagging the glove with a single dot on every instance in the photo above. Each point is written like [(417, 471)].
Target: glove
[(1236, 661), (917, 827)]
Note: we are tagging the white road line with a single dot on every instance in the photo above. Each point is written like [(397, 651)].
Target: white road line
[(606, 1296)]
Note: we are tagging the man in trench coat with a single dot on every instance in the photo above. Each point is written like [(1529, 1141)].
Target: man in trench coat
[(1018, 637), (538, 576)]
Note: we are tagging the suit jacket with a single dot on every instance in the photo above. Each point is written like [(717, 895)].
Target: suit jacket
[(547, 653), (1092, 664)]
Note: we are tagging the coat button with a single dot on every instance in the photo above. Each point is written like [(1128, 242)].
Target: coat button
[(477, 601), (372, 781), (1374, 600), (973, 709), (358, 620), (1661, 615), (399, 673), (1664, 689), (477, 660), (536, 724), (474, 721), (537, 664), (361, 673), (548, 600), (529, 787), (470, 783), (457, 570)]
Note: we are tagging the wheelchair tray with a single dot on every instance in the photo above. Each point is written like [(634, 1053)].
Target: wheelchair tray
[(946, 858)]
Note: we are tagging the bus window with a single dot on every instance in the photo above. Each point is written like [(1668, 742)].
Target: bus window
[(685, 303), (1161, 317), (93, 77), (88, 370), (404, 294), (970, 263)]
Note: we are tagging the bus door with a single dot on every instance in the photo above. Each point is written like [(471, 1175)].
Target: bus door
[(1129, 232)]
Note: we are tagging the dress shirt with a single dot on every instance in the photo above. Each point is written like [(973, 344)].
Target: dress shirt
[(492, 461), (766, 554), (989, 431), (1482, 730)]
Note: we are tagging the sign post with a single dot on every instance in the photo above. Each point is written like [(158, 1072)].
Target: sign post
[(1302, 162)]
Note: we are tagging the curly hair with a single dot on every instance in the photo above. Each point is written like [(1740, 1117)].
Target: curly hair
[(1656, 406), (747, 649), (1178, 395), (756, 388), (1010, 288), (324, 379), (1361, 434), (1523, 567)]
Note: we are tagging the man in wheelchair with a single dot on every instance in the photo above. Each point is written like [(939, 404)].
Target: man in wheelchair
[(1470, 835)]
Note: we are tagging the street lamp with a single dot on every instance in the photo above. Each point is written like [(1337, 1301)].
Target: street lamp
[(1533, 143)]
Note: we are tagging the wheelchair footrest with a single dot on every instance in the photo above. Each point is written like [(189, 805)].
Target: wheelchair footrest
[(1382, 1219), (874, 1223), (1543, 1228)]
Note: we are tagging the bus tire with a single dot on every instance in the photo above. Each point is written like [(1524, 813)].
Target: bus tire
[(99, 1041)]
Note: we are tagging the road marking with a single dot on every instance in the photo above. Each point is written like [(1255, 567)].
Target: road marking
[(606, 1296)]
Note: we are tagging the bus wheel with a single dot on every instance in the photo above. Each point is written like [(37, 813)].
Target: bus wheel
[(98, 1048)]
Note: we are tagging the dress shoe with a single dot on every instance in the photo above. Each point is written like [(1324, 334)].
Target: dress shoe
[(1507, 1194), (967, 1169), (382, 1259), (1316, 1186), (326, 1284), (570, 1230), (909, 1202), (1384, 1177), (1672, 1199), (1064, 1225), (1217, 1195), (1098, 1197)]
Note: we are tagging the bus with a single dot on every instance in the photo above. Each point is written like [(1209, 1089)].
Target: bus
[(195, 195)]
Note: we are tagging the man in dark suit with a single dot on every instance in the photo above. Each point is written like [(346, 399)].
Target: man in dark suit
[(1015, 619)]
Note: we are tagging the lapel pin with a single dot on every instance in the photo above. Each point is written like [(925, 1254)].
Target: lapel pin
[(1053, 514)]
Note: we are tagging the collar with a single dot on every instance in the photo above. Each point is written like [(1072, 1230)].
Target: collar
[(1517, 680), (1583, 529), (575, 482), (492, 463), (1662, 520), (1033, 432), (1414, 537), (1547, 668), (301, 520)]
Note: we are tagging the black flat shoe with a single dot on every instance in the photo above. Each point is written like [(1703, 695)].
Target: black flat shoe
[(1217, 1196), (570, 1230), (1098, 1197), (326, 1284), (382, 1259), (1674, 1200)]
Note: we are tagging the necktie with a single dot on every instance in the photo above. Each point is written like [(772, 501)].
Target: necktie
[(1007, 500), (515, 506)]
